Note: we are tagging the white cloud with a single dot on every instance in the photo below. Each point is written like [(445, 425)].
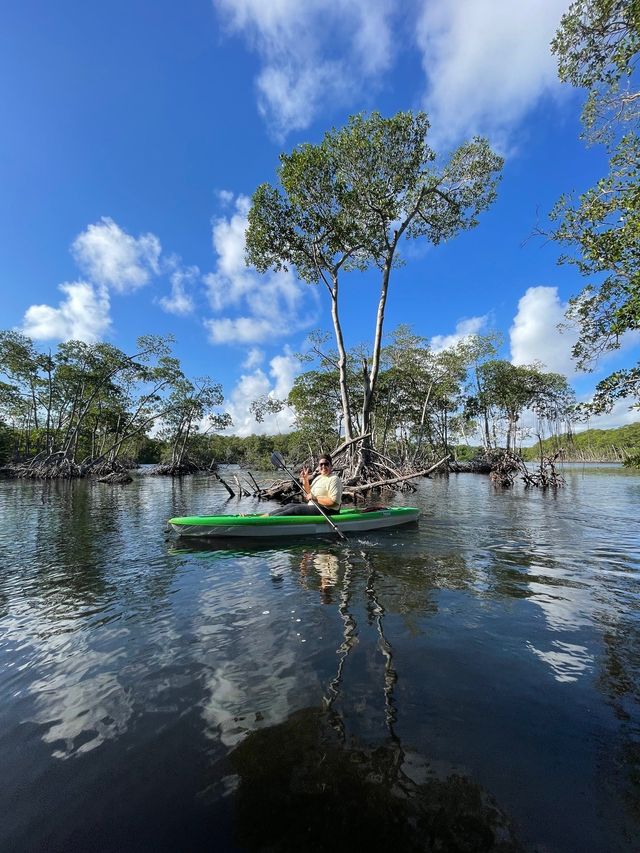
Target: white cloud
[(315, 54), (464, 328), (282, 371), (111, 257), (225, 197), (487, 63), (241, 330), (272, 305), (254, 358), (83, 315), (232, 280), (180, 301), (534, 334), (620, 415)]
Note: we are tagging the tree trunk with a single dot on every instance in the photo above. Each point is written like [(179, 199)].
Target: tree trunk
[(342, 360), (49, 404), (422, 420), (371, 377)]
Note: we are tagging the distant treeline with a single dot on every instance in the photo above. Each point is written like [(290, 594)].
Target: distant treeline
[(594, 445), (92, 409), (252, 451)]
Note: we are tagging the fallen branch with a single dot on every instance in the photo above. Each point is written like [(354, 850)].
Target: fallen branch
[(346, 444), (258, 491), (226, 485), (379, 483), (241, 489), (381, 455)]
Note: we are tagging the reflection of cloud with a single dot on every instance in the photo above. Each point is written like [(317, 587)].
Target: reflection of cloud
[(561, 614), (83, 714), (254, 677), (252, 690), (567, 660), (78, 700)]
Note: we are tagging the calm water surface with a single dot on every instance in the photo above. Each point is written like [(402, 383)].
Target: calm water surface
[(476, 676)]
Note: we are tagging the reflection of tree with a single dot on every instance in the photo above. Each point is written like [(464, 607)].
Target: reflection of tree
[(67, 551), (76, 569), (348, 641), (376, 614), (620, 679), (302, 788)]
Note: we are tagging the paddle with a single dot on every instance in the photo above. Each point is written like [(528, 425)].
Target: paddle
[(278, 462)]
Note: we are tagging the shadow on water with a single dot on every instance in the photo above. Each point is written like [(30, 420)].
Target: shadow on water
[(306, 785)]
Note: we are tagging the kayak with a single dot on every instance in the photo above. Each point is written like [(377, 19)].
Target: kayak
[(258, 526)]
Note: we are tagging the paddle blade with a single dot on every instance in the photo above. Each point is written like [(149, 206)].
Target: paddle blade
[(277, 461)]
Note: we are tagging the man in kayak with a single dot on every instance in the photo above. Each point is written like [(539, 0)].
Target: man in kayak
[(325, 490)]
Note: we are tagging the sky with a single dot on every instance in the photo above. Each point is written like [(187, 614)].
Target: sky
[(134, 133)]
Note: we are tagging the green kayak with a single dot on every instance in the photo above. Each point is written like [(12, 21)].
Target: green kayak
[(259, 526)]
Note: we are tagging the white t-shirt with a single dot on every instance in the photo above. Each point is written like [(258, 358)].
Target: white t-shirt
[(328, 487)]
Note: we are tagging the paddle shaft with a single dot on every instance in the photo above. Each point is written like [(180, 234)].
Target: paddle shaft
[(278, 462)]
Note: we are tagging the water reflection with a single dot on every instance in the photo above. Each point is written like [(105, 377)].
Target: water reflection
[(303, 785), (323, 568), (495, 645), (567, 661), (301, 788), (76, 698)]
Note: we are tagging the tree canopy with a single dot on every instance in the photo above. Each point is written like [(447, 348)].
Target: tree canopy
[(346, 204), (83, 407), (597, 47), (430, 403)]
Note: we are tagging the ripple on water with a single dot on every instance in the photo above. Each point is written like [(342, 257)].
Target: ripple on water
[(500, 635)]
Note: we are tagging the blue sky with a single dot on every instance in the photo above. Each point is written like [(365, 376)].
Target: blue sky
[(133, 134)]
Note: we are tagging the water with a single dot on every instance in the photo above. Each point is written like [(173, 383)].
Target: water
[(468, 681)]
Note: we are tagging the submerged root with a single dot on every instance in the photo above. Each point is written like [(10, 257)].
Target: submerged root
[(52, 466), (362, 470), (176, 469), (57, 466), (116, 477), (546, 476), (509, 466)]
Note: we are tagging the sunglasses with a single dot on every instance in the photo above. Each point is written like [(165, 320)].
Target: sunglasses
[(324, 464)]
